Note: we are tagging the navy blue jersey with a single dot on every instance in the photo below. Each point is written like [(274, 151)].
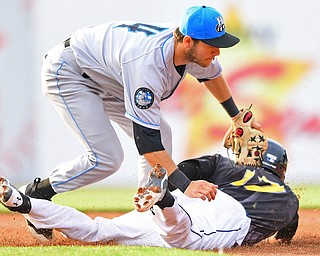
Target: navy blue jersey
[(269, 202)]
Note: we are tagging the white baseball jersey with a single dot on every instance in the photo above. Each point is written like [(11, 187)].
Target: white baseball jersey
[(129, 70), (190, 223), (134, 63)]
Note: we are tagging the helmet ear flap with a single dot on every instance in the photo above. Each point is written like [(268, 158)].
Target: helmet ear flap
[(281, 170), (275, 159), (282, 166)]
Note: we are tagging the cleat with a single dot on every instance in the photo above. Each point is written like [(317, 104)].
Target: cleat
[(40, 234), (12, 198), (16, 201), (154, 190), (5, 191), (4, 181), (32, 190)]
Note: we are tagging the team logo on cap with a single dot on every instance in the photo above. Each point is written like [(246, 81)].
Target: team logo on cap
[(220, 26), (143, 98)]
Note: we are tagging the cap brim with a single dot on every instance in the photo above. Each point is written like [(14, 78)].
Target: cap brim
[(225, 41)]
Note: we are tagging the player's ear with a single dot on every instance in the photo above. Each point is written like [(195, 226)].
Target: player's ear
[(188, 42)]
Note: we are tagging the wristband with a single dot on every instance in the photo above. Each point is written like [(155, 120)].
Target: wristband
[(230, 107), (179, 180)]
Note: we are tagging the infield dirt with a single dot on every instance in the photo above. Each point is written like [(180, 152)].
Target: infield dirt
[(306, 241)]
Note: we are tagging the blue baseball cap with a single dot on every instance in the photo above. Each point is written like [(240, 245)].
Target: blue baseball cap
[(207, 25)]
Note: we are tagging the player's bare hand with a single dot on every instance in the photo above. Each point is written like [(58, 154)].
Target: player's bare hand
[(273, 240), (201, 189)]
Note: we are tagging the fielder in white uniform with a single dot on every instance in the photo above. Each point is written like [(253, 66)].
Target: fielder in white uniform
[(121, 72)]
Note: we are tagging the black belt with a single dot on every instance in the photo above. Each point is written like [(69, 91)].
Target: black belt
[(66, 44), (85, 75)]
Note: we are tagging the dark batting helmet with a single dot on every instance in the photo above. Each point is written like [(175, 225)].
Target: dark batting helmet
[(275, 159)]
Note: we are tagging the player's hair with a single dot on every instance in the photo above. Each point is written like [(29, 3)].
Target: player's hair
[(178, 36)]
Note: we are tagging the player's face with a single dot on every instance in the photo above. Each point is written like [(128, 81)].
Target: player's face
[(202, 54)]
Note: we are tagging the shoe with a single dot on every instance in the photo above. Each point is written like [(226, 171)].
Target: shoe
[(12, 198), (42, 235), (153, 191), (16, 201), (32, 190)]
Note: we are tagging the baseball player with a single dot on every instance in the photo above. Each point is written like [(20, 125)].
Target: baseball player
[(266, 206), (189, 223), (269, 202), (121, 72)]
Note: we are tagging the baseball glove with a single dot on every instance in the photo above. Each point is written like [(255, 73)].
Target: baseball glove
[(246, 143)]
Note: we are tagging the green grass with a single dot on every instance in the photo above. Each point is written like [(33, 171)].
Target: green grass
[(308, 195), (100, 250), (101, 199), (98, 199), (120, 200)]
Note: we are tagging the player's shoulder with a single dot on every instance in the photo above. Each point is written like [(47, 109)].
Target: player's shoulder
[(131, 27), (142, 28)]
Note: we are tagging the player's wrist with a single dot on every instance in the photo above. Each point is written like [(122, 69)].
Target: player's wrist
[(179, 180), (230, 107)]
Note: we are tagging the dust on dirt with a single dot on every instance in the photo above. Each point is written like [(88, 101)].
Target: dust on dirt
[(306, 241)]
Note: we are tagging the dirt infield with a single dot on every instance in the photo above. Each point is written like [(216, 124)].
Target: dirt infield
[(306, 241)]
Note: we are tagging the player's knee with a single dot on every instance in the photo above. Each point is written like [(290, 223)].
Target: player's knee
[(117, 160), (111, 160)]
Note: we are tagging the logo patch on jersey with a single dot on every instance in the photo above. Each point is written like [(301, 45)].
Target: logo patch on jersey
[(143, 98)]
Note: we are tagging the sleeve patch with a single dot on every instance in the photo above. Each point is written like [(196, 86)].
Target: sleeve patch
[(143, 98)]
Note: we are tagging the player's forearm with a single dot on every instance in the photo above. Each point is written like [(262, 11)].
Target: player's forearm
[(176, 178), (221, 91), (163, 158), (219, 88)]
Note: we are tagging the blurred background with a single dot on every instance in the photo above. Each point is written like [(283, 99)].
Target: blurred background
[(275, 68)]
